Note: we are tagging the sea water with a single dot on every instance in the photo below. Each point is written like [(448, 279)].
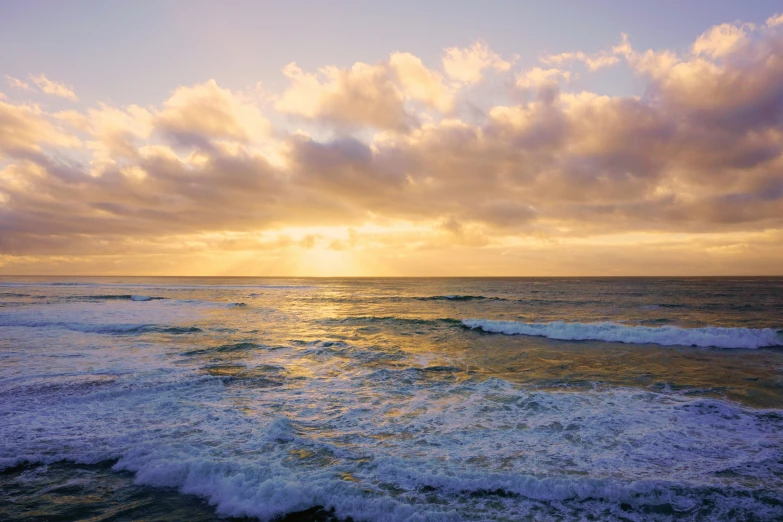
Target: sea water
[(391, 399)]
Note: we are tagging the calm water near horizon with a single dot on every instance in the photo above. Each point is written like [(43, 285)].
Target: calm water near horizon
[(391, 399)]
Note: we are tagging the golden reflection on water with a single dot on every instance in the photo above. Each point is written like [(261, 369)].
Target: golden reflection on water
[(397, 375), (755, 381), (448, 354)]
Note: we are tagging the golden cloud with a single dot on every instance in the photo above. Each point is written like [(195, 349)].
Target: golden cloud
[(401, 148)]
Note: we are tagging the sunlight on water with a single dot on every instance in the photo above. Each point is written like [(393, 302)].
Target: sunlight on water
[(190, 399)]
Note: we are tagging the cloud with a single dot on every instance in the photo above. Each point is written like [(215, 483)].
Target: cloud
[(54, 88), (365, 95), (467, 65), (24, 130), (16, 83), (595, 61), (699, 156), (732, 77), (205, 111), (361, 95), (420, 83), (774, 20), (538, 77), (721, 40)]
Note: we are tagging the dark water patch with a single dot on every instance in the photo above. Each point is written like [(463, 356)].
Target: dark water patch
[(563, 499), (459, 298), (429, 375), (65, 491), (225, 348), (658, 321), (440, 369), (747, 307), (328, 347), (563, 384), (662, 305), (371, 319), (560, 302), (116, 297), (12, 304), (13, 294), (240, 370), (370, 356), (174, 330), (65, 386), (314, 514), (261, 376)]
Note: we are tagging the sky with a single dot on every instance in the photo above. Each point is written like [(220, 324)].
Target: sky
[(391, 139)]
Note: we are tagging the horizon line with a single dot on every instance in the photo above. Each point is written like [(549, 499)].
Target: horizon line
[(399, 277)]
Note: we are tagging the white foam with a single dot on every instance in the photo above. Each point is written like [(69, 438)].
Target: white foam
[(117, 316), (711, 336), (481, 443), (141, 298), (363, 428)]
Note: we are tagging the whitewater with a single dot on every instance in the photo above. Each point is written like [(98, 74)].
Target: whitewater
[(391, 399)]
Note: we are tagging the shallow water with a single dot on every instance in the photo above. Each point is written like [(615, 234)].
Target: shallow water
[(395, 399)]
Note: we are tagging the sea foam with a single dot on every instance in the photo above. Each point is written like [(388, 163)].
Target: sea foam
[(711, 336)]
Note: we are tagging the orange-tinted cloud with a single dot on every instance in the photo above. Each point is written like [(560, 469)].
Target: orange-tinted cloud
[(467, 65), (48, 86), (685, 170)]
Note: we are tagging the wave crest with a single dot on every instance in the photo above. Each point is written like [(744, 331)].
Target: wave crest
[(711, 336)]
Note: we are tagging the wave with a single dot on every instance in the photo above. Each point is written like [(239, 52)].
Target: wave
[(209, 287), (459, 298), (115, 297), (711, 336), (204, 302), (144, 298), (225, 348), (20, 284), (114, 329), (392, 319)]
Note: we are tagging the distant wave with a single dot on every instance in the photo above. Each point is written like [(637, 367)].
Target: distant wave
[(19, 284), (211, 287), (226, 348), (115, 329), (144, 298), (459, 298), (710, 336), (112, 297), (392, 319)]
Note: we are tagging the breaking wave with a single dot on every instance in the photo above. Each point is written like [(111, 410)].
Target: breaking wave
[(711, 336)]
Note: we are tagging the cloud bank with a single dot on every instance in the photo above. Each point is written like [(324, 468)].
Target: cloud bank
[(394, 160)]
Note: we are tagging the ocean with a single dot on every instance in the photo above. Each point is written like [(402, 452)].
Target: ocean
[(391, 399)]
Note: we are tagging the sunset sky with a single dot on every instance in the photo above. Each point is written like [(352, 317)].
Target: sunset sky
[(391, 138)]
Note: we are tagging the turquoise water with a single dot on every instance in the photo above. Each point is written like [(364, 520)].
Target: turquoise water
[(391, 399)]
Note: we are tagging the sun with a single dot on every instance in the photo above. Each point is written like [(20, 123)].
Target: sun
[(327, 262)]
